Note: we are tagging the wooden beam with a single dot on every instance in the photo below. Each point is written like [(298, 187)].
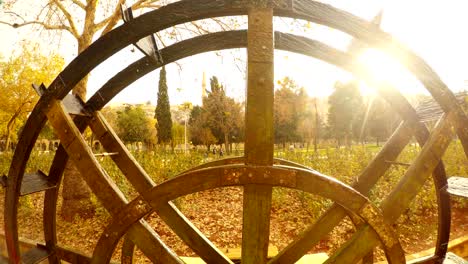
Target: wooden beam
[(143, 183), (399, 199), (259, 135), (332, 217), (100, 183)]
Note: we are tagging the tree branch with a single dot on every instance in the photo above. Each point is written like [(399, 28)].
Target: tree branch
[(222, 24), (78, 3), (44, 25), (149, 5), (69, 18), (112, 20), (139, 3), (15, 14), (199, 28)]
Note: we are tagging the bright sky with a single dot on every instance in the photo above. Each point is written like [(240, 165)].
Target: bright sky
[(434, 29)]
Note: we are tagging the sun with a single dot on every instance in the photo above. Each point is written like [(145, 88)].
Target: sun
[(382, 67)]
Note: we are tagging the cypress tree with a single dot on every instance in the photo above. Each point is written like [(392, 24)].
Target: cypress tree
[(163, 111)]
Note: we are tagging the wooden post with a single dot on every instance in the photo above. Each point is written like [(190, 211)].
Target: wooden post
[(259, 132)]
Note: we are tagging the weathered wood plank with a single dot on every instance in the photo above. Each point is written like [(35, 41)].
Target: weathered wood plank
[(129, 215), (104, 188), (451, 258), (458, 186), (71, 102), (146, 45), (73, 106), (429, 110), (51, 196), (35, 255), (259, 139), (128, 249), (72, 256), (398, 200), (36, 182), (143, 183)]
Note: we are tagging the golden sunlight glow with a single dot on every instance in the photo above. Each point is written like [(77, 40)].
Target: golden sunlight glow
[(383, 67)]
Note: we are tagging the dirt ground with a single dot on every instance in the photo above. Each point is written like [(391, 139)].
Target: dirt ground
[(218, 214)]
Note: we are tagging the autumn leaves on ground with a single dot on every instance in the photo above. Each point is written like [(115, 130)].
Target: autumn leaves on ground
[(218, 213)]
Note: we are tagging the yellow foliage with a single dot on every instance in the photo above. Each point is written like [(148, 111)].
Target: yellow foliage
[(17, 74)]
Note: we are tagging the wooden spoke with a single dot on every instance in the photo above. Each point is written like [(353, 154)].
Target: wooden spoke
[(395, 204), (124, 160), (143, 183), (335, 214), (128, 249), (99, 182), (121, 223)]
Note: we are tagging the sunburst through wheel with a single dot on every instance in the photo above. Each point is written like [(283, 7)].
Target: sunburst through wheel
[(257, 171)]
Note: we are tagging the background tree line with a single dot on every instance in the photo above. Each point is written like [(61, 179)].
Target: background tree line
[(345, 117)]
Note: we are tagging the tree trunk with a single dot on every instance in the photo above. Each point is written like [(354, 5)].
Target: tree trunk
[(226, 143), (10, 124), (76, 193), (317, 127), (8, 137)]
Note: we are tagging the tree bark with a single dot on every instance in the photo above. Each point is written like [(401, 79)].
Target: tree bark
[(226, 143), (76, 194), (8, 138)]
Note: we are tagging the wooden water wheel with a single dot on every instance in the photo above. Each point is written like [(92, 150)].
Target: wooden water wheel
[(257, 172)]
